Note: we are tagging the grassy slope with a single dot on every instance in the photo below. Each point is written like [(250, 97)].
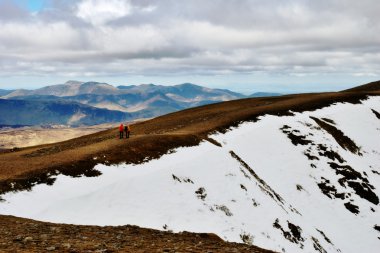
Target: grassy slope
[(154, 137)]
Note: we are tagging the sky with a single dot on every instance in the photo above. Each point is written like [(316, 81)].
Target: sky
[(242, 45)]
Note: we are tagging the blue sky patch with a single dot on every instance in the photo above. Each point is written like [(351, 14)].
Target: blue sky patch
[(31, 5)]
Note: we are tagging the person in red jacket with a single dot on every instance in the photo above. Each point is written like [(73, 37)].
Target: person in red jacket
[(121, 130)]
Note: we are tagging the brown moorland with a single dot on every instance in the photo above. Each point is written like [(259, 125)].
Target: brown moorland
[(22, 168), (373, 86), (24, 235)]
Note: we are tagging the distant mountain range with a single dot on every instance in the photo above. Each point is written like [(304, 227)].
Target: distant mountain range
[(29, 112), (78, 103)]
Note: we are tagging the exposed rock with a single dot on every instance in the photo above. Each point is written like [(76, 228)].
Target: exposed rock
[(295, 138), (28, 239), (352, 208), (343, 140), (201, 193)]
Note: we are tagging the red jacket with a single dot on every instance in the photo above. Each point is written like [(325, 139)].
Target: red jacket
[(121, 128)]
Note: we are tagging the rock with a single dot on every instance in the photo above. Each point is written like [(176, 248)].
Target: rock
[(44, 237), (51, 248), (18, 238), (66, 245), (55, 229), (28, 239), (101, 251)]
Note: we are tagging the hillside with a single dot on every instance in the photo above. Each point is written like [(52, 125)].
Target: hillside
[(264, 94), (373, 86), (19, 235), (324, 162), (5, 92), (34, 112)]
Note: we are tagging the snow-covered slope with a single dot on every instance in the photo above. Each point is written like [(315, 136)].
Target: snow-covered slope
[(303, 183)]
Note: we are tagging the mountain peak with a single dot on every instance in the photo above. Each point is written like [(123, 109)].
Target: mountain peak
[(73, 82), (92, 83), (187, 85), (147, 85)]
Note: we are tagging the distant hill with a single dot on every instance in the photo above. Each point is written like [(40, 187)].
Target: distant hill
[(373, 86), (264, 94), (70, 88), (31, 112), (5, 92), (187, 92)]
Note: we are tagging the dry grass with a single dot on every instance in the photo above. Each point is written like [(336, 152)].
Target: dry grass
[(157, 136)]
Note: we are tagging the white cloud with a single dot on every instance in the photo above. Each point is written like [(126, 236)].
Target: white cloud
[(35, 39), (98, 12), (168, 37)]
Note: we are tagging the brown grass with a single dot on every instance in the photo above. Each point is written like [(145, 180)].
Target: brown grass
[(373, 86), (153, 138)]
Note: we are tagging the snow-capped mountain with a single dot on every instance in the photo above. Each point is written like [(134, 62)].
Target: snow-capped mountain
[(306, 182)]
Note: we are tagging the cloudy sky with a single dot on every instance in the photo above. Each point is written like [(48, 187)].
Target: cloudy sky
[(243, 45)]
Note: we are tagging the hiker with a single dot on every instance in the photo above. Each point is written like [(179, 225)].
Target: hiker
[(127, 130), (121, 130)]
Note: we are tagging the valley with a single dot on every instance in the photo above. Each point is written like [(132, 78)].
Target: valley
[(33, 136)]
